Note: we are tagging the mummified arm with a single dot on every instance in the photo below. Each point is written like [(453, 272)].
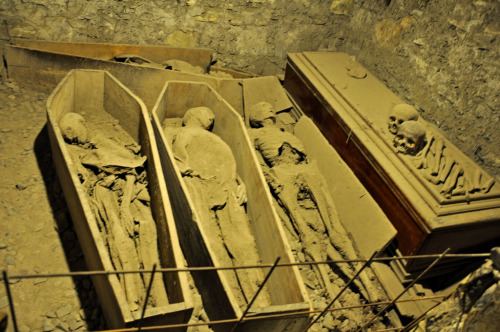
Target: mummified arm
[(126, 217), (241, 191), (181, 155)]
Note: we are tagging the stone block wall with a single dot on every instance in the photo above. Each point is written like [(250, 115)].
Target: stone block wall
[(440, 55)]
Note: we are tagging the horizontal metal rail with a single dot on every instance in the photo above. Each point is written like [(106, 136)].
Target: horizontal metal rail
[(214, 268)]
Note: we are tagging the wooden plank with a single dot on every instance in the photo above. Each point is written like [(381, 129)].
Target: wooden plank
[(106, 91), (362, 217), (407, 199), (235, 73), (195, 56), (285, 285), (232, 92), (393, 288)]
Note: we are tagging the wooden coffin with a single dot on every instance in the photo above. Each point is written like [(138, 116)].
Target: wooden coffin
[(351, 108), (46, 63), (195, 56), (79, 91), (285, 286)]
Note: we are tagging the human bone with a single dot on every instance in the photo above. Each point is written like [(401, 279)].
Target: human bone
[(399, 114), (410, 138), (259, 113), (73, 128), (199, 117)]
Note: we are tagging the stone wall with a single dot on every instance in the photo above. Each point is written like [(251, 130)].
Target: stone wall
[(441, 56)]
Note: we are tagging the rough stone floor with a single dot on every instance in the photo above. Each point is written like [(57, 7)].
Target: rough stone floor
[(36, 234)]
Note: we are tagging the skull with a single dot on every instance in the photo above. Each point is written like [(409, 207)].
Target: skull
[(73, 128), (399, 114), (410, 138), (261, 113), (201, 117)]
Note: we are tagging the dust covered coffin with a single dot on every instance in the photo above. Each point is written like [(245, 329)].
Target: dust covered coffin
[(457, 206), (83, 90), (285, 287)]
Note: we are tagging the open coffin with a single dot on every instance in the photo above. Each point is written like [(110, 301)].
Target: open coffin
[(94, 93), (285, 288)]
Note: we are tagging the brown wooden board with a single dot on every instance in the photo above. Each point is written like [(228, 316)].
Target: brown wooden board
[(285, 284), (201, 57), (426, 221), (84, 89), (46, 67)]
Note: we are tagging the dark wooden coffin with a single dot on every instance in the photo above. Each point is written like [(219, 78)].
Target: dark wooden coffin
[(457, 206)]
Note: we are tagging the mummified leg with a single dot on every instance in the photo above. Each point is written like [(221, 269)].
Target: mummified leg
[(208, 223), (126, 218), (148, 250), (125, 246), (341, 246), (103, 224), (240, 242), (315, 250), (307, 222)]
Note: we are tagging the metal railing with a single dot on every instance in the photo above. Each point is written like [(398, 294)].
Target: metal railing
[(367, 262)]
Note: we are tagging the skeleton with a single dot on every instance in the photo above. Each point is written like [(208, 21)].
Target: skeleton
[(399, 114), (111, 173), (308, 212), (410, 138), (209, 171)]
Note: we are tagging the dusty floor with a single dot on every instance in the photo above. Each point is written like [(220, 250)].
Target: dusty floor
[(36, 231)]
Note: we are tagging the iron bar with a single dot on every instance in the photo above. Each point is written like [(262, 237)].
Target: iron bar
[(404, 290), (342, 290), (9, 297), (212, 268), (256, 294), (148, 291)]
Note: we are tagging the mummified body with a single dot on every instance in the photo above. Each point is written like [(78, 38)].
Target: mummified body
[(301, 191), (115, 181), (209, 171)]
